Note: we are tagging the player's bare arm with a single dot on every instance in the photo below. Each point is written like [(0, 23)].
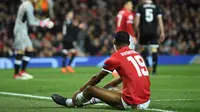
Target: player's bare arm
[(136, 25), (113, 83), (32, 20), (92, 82), (161, 26)]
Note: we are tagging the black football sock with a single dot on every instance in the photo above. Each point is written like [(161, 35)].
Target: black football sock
[(145, 55), (17, 63), (26, 59), (155, 61), (71, 59)]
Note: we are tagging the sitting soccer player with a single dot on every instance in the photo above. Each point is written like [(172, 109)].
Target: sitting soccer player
[(133, 75)]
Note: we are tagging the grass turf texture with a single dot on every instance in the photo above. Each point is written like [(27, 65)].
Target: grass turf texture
[(172, 82)]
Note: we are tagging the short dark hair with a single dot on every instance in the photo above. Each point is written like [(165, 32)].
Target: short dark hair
[(122, 37), (126, 1)]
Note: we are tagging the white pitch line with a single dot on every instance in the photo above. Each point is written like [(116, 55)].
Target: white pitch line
[(25, 95), (48, 98), (159, 110)]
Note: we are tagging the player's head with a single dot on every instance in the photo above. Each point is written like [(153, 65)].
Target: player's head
[(128, 5), (144, 1), (70, 15), (23, 0), (121, 40)]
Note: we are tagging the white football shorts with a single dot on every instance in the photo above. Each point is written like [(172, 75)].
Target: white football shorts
[(139, 106)]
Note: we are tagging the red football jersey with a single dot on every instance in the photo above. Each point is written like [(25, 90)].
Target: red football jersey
[(124, 22), (134, 74)]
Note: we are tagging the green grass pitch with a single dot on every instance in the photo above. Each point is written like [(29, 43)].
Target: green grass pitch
[(175, 88)]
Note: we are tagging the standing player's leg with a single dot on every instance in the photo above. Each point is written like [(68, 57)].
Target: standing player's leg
[(144, 51), (73, 53), (132, 42), (109, 97), (27, 56), (154, 50), (68, 52), (145, 54), (64, 54), (17, 63), (19, 45)]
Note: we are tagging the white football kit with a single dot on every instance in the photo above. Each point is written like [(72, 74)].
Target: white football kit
[(25, 16)]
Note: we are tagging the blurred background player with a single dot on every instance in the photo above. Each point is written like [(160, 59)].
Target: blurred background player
[(136, 83), (124, 22), (70, 31), (148, 18), (22, 42)]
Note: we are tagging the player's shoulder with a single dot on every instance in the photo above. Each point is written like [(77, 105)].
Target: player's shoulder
[(141, 5), (122, 11), (140, 8), (158, 6), (112, 60), (115, 56)]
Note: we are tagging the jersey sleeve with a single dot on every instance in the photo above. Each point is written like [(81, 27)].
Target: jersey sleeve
[(139, 11), (31, 18), (110, 65), (159, 11)]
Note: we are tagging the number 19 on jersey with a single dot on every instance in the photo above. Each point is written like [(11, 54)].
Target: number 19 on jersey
[(139, 64)]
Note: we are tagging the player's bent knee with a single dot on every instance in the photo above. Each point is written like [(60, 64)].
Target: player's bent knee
[(89, 88), (89, 91), (20, 52), (29, 49)]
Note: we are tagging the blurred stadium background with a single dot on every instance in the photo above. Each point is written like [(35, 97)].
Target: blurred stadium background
[(181, 17)]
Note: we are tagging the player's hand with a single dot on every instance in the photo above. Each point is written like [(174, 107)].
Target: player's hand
[(162, 37), (50, 24), (74, 96), (46, 23)]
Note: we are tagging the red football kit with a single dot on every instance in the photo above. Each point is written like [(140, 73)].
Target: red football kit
[(134, 74), (124, 22)]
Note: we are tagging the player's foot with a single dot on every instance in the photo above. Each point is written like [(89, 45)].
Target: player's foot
[(115, 74), (60, 100), (25, 74), (20, 77), (153, 73), (70, 69), (64, 70)]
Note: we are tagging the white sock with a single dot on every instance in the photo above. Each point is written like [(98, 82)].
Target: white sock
[(69, 103), (93, 101), (80, 99), (150, 60)]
